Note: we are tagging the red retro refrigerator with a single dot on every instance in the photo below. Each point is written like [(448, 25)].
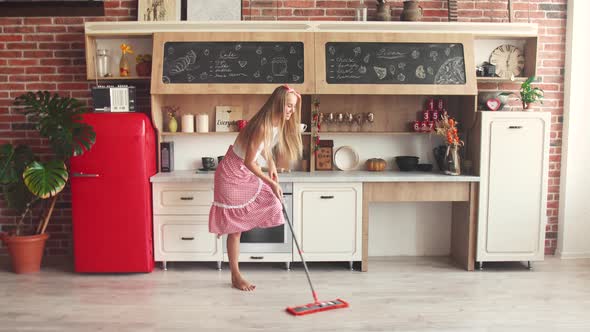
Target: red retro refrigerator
[(111, 195)]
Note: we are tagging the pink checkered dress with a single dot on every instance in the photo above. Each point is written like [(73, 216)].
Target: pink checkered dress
[(241, 200)]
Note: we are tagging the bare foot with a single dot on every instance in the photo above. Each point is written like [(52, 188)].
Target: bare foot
[(241, 283)]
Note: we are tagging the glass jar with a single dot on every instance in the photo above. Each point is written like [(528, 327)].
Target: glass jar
[(103, 63), (124, 66), (452, 160)]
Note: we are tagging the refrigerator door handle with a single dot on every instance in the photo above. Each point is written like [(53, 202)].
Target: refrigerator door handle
[(84, 175)]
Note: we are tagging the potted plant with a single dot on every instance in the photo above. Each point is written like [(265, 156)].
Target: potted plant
[(143, 65), (28, 180), (528, 93)]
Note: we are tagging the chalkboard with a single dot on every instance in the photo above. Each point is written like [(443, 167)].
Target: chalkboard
[(233, 62), (394, 63)]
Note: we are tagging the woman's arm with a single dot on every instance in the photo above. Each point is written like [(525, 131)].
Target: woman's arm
[(252, 165)]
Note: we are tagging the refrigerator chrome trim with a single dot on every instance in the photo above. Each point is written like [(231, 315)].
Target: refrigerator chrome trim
[(84, 175)]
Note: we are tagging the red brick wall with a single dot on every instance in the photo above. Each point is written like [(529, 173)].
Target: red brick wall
[(48, 53)]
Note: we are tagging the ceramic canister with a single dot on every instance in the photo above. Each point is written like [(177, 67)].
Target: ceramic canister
[(188, 123), (202, 123)]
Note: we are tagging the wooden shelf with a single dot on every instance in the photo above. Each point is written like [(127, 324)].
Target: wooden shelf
[(374, 132), (500, 80), (115, 78), (166, 133)]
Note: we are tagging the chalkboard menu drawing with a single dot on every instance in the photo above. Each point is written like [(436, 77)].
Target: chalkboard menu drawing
[(226, 118), (233, 62), (395, 63)]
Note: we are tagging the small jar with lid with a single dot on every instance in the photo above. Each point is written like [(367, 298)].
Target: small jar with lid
[(103, 63)]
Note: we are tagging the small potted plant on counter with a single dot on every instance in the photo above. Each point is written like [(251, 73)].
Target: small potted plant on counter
[(143, 65), (28, 180)]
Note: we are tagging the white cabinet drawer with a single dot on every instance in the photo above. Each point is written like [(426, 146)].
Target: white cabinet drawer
[(182, 199), (187, 238)]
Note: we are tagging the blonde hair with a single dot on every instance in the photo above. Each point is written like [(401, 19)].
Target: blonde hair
[(289, 143)]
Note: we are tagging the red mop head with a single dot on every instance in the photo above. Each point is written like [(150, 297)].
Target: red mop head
[(314, 307)]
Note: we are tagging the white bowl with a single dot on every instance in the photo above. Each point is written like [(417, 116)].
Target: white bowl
[(346, 158)]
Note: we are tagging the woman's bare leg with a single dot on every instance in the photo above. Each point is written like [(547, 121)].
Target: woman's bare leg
[(233, 252)]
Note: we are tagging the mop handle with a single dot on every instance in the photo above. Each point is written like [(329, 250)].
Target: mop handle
[(313, 293)]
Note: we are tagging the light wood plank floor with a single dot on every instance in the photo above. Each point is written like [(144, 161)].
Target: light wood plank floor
[(397, 294)]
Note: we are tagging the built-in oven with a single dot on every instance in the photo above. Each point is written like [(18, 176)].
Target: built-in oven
[(273, 244)]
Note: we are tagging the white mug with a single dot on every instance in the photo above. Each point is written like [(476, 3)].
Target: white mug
[(302, 127)]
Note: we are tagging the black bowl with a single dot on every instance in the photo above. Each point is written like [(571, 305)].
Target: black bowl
[(424, 167), (406, 163)]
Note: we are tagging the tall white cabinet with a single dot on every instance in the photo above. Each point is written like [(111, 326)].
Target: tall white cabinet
[(513, 188)]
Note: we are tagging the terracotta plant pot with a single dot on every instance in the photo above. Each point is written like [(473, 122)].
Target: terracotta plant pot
[(26, 252), (144, 69)]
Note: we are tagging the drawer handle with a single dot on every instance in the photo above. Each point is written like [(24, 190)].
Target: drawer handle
[(256, 257), (187, 198), (327, 197), (187, 238), (514, 127)]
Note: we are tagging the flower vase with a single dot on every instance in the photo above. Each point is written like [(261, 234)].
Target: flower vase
[(172, 125), (124, 66), (383, 12), (452, 160)]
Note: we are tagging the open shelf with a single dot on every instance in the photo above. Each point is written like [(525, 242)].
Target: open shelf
[(374, 132), (129, 78), (167, 133), (500, 80)]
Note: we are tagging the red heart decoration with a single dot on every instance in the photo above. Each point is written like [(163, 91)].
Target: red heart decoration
[(493, 104)]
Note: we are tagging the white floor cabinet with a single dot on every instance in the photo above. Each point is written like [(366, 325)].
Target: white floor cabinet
[(513, 189), (181, 223), (329, 217)]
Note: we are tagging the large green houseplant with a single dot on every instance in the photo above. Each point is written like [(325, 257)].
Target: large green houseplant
[(29, 181)]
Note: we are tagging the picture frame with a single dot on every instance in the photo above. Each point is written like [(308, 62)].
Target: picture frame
[(158, 10), (206, 10), (226, 118)]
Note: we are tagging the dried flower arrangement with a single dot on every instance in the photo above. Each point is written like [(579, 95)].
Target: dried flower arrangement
[(447, 128)]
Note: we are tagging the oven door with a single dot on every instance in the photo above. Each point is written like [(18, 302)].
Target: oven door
[(268, 240)]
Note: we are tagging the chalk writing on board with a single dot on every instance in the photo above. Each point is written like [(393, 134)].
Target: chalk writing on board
[(394, 63), (233, 62)]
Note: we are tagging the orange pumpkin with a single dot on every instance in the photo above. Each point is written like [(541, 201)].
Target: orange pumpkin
[(376, 164)]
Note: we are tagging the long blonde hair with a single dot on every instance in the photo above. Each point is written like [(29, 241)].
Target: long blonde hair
[(289, 144)]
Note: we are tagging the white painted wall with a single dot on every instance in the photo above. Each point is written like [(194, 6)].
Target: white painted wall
[(410, 229), (574, 208)]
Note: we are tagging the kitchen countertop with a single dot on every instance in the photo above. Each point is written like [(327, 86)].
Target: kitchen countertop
[(327, 176)]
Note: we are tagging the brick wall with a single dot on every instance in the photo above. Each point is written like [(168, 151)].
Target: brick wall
[(48, 53)]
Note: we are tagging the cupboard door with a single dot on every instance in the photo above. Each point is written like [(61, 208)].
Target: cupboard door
[(515, 186), (329, 222)]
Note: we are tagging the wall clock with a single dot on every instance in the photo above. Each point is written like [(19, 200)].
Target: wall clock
[(509, 61)]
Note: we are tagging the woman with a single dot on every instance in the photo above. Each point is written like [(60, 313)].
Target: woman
[(244, 196)]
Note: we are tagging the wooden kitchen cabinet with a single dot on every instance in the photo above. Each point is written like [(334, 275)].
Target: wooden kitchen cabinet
[(329, 217), (181, 223), (244, 45), (513, 188)]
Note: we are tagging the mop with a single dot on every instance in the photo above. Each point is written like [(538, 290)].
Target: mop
[(315, 306)]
